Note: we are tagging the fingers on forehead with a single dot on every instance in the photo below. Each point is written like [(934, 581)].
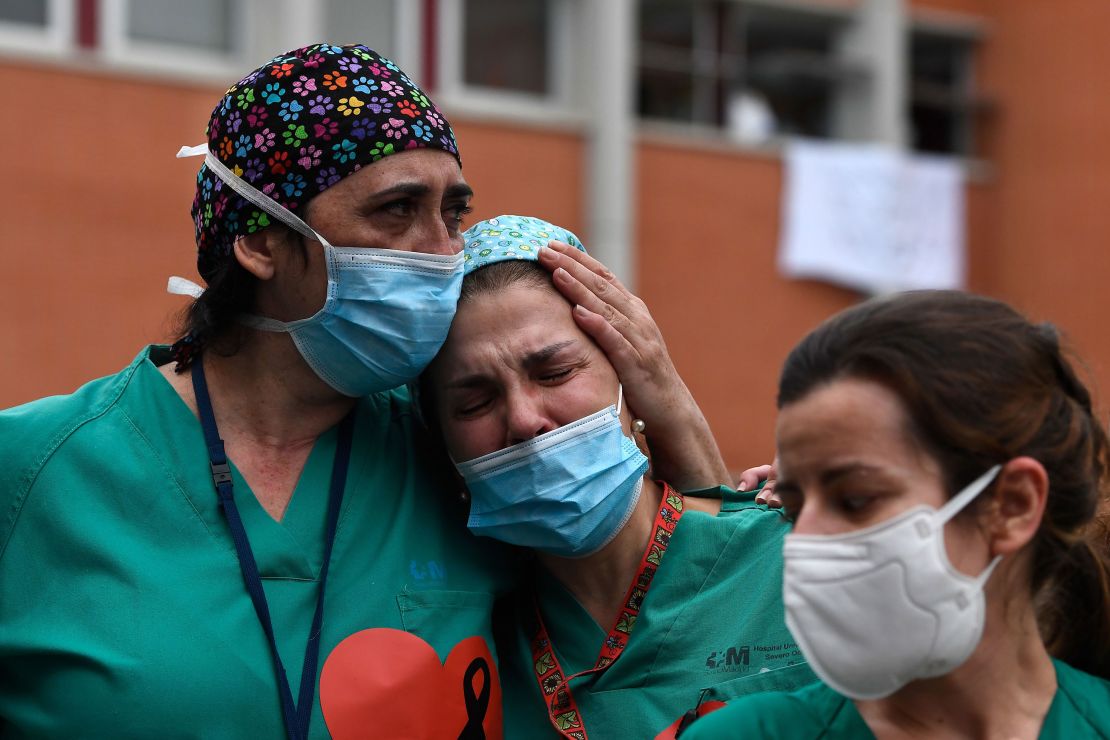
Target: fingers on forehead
[(579, 256)]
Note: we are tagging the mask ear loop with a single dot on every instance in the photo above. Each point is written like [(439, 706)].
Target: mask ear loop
[(966, 496), (251, 193), (980, 580), (953, 507), (270, 206), (177, 285), (620, 397)]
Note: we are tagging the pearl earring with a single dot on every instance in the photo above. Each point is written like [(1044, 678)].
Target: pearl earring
[(638, 426)]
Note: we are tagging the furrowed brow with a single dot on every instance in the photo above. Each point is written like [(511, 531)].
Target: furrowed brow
[(540, 356), (466, 382)]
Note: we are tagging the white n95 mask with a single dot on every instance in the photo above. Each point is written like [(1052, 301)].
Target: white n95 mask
[(877, 608)]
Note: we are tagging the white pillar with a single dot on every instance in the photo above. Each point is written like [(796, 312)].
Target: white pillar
[(409, 27), (887, 19), (874, 109), (303, 22), (610, 151)]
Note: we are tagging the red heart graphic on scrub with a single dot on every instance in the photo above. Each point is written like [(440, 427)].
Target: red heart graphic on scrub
[(389, 683)]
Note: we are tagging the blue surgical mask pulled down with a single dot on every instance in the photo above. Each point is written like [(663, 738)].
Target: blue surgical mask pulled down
[(387, 311), (567, 492)]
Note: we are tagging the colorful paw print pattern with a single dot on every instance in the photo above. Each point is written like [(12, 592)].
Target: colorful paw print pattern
[(510, 238), (301, 123)]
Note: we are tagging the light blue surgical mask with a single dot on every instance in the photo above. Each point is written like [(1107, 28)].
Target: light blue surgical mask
[(567, 492), (387, 311), (386, 316)]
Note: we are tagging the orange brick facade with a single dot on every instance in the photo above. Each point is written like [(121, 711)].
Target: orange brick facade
[(96, 217)]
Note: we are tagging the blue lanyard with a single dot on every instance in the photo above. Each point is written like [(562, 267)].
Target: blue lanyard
[(296, 716)]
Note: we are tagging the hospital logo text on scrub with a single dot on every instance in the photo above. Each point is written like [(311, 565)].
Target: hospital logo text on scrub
[(739, 658), (732, 658)]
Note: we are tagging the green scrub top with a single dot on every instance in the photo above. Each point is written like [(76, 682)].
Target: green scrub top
[(712, 626), (123, 612), (1080, 709)]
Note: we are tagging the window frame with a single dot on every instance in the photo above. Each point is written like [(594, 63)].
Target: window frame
[(58, 36), (558, 106), (856, 72), (118, 48), (961, 30), (702, 67), (736, 54), (267, 27)]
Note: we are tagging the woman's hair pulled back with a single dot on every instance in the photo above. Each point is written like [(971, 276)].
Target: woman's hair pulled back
[(983, 385), (211, 322)]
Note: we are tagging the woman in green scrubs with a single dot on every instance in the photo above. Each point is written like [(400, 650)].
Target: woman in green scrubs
[(948, 574), (620, 627), (167, 533)]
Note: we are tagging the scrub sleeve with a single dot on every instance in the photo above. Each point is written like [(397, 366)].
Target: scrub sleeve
[(1080, 709), (123, 611), (711, 625)]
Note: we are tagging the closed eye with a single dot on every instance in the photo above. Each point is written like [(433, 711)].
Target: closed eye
[(472, 409), (555, 376)]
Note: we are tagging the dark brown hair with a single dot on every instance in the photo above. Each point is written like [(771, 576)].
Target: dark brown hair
[(211, 321), (500, 275), (983, 385)]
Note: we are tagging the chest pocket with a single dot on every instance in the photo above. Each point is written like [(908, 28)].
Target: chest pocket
[(788, 678), (444, 618)]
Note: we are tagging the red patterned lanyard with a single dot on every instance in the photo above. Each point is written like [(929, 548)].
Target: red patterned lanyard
[(562, 709)]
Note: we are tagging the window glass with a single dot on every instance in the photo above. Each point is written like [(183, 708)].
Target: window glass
[(28, 12), (203, 23), (506, 44), (667, 94), (667, 69), (942, 104), (788, 66), (756, 70), (206, 24), (369, 22), (667, 24)]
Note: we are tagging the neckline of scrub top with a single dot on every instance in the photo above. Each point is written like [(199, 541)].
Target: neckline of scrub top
[(1065, 717), (1074, 706), (731, 499), (291, 549), (573, 631)]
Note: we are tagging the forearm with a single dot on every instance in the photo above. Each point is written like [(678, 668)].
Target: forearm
[(685, 454)]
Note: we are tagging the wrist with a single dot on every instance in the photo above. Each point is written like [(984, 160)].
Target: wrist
[(689, 461)]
